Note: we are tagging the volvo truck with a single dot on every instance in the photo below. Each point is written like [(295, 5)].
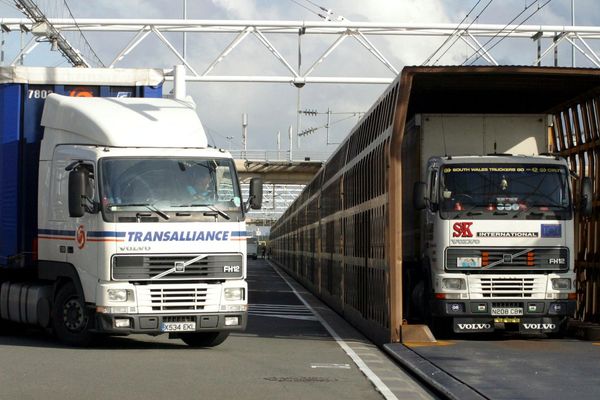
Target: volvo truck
[(494, 237), (116, 216)]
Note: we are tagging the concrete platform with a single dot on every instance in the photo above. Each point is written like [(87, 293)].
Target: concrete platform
[(506, 366)]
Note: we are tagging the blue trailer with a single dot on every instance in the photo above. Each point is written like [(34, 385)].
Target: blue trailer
[(23, 91)]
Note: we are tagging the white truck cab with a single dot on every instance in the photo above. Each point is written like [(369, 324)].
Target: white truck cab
[(496, 228), (140, 224), (499, 234)]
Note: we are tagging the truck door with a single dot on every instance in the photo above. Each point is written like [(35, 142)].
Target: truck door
[(84, 253), (431, 211)]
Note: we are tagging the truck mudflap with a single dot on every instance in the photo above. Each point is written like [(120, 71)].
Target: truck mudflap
[(152, 324), (526, 325), (472, 325)]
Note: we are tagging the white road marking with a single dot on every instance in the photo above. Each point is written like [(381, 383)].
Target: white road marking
[(377, 382), (340, 366)]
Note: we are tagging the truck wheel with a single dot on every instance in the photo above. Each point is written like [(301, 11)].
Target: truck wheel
[(204, 339), (562, 331), (9, 328), (71, 319)]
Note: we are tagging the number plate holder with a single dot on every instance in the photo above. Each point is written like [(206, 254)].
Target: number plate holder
[(178, 327), (507, 311)]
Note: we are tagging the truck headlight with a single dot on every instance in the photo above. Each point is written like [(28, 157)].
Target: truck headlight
[(561, 283), (118, 295), (233, 294), (453, 283)]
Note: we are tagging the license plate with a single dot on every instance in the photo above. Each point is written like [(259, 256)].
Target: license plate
[(178, 326), (507, 311)]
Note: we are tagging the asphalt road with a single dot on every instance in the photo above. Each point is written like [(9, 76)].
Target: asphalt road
[(286, 353)]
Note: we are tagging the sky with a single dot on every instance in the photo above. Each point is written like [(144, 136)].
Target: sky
[(273, 107)]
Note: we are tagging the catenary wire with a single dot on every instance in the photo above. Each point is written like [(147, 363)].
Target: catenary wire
[(82, 35), (505, 26), (466, 29), (453, 33)]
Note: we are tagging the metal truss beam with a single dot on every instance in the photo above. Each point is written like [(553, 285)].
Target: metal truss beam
[(581, 37), (42, 27)]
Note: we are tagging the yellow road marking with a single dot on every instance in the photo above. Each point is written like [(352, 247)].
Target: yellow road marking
[(429, 344)]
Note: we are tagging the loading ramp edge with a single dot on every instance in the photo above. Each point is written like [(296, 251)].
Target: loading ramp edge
[(438, 379)]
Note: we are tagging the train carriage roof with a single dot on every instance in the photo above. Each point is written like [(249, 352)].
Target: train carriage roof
[(497, 90)]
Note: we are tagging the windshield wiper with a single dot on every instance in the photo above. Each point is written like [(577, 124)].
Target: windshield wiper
[(211, 207), (150, 207)]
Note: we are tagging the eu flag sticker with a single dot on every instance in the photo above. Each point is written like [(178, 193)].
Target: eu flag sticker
[(551, 231)]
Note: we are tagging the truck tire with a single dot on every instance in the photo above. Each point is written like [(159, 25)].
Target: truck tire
[(562, 331), (71, 319), (204, 339), (10, 328)]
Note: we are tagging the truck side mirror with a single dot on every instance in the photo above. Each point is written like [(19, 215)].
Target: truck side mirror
[(256, 193), (419, 199), (587, 198), (77, 188)]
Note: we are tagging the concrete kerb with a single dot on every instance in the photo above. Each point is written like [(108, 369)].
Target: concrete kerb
[(434, 377)]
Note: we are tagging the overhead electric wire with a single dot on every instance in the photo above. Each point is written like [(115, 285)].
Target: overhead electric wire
[(10, 4), (316, 5), (466, 29), (454, 32), (327, 11), (306, 8), (83, 36), (477, 53)]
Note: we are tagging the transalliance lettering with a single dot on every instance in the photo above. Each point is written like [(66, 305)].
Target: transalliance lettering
[(175, 236), (508, 234)]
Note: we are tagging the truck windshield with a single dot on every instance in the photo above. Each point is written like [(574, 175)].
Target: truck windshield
[(517, 191), (170, 186)]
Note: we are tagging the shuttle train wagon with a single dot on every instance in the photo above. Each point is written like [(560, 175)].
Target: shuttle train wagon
[(356, 240)]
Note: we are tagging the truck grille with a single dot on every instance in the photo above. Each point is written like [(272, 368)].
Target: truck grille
[(510, 259), (178, 298), (146, 267), (485, 287)]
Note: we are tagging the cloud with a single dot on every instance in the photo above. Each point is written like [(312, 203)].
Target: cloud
[(272, 107)]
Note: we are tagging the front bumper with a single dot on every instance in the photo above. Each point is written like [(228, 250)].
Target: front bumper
[(480, 308), (539, 316), (151, 323)]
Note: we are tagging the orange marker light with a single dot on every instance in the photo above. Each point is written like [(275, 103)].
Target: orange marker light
[(530, 259)]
